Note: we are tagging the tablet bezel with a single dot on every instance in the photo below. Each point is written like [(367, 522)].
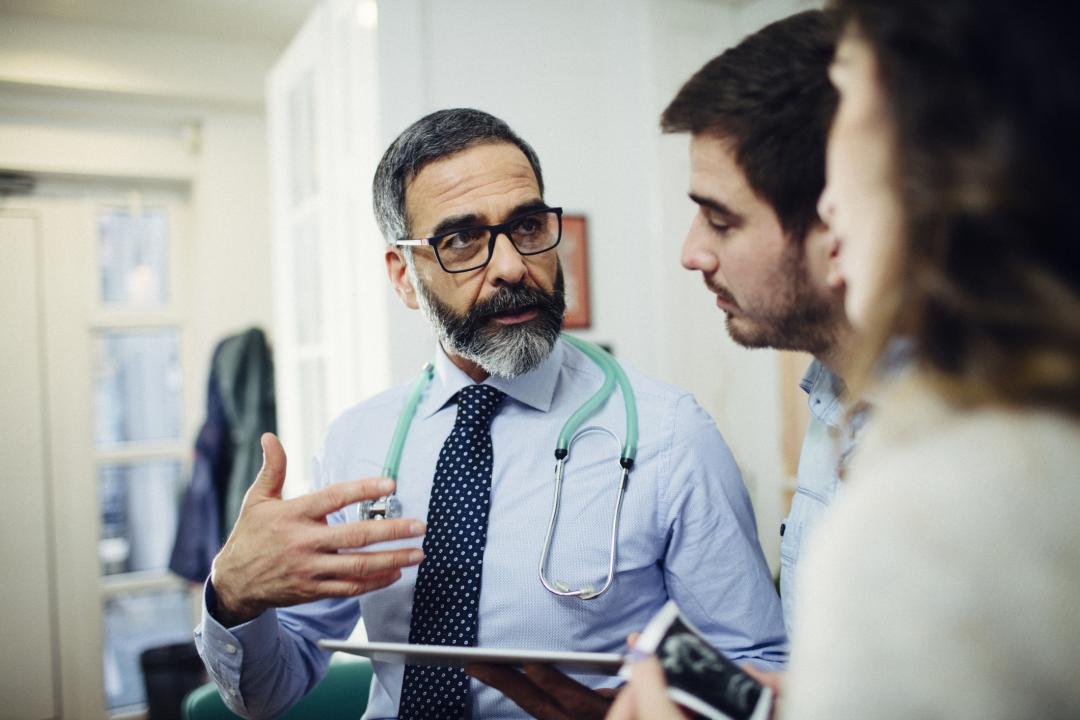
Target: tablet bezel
[(459, 656)]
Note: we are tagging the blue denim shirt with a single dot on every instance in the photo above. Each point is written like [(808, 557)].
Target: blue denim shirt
[(827, 443)]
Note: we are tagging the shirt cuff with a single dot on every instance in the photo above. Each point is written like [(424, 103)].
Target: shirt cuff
[(223, 649)]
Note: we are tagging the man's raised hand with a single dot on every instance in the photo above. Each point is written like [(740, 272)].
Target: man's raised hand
[(283, 552)]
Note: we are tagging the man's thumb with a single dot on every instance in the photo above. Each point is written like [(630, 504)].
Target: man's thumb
[(272, 473)]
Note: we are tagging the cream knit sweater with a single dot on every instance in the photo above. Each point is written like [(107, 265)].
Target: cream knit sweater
[(945, 582)]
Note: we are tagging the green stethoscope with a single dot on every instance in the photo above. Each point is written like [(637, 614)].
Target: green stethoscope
[(390, 507)]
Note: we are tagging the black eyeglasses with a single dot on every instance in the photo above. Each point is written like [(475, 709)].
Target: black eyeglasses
[(463, 249)]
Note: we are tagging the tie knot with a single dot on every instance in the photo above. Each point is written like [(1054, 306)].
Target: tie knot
[(476, 404)]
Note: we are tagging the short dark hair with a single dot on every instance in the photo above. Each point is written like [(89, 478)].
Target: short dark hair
[(770, 96), (434, 136), (984, 103)]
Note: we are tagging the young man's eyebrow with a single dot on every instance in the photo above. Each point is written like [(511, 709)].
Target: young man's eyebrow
[(717, 207)]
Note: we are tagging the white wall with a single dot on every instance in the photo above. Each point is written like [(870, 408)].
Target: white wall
[(108, 60), (230, 258), (756, 14)]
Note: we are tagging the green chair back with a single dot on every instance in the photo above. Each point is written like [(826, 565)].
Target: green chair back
[(341, 695)]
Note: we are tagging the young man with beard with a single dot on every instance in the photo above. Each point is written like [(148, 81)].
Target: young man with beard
[(759, 115), (471, 244)]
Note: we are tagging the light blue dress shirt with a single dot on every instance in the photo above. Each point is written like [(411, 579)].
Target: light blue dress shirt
[(687, 533), (826, 445)]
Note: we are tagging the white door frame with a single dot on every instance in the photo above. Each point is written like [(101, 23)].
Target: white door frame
[(72, 313)]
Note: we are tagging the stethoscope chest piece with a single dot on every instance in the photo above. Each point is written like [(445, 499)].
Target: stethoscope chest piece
[(387, 507)]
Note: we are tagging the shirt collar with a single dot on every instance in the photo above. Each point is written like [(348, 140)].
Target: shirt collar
[(825, 390), (535, 389)]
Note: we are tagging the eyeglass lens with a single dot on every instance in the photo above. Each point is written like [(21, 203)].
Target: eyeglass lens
[(468, 248)]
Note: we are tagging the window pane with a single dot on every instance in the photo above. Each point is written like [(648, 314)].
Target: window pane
[(133, 623), (134, 257), (137, 386), (139, 504)]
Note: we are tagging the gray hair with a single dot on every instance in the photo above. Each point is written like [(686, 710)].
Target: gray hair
[(432, 137)]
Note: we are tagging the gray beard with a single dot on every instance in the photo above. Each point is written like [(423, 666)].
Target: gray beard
[(503, 351)]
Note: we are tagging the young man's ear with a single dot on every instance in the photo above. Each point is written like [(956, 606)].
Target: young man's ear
[(398, 272), (834, 278), (821, 247)]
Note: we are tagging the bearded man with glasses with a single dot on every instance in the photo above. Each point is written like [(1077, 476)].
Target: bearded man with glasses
[(505, 347), (471, 243)]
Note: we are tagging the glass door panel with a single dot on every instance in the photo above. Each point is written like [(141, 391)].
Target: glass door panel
[(138, 441), (139, 504), (133, 257), (135, 622), (137, 386)]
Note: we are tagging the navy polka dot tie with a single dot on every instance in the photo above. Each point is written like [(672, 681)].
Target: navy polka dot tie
[(448, 581)]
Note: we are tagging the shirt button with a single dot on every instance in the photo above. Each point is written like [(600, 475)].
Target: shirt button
[(232, 691), (230, 648)]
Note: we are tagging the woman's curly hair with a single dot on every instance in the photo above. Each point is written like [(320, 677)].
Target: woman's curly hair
[(984, 97)]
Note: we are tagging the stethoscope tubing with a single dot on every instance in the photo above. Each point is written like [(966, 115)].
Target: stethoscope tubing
[(401, 431), (612, 372), (561, 588)]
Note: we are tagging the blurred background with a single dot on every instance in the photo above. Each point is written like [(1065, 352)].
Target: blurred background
[(176, 172)]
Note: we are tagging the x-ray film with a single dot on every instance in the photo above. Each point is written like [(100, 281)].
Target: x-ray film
[(699, 677)]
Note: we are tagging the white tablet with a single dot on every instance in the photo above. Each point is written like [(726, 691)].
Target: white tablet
[(406, 654)]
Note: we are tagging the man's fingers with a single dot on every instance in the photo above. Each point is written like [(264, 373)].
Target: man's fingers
[(519, 688), (351, 588), (272, 473), (321, 503), (361, 533), (497, 676), (580, 700), (362, 565), (631, 640)]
